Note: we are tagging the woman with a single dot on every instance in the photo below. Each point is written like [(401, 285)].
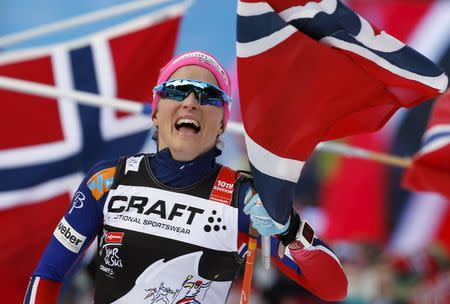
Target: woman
[(172, 226)]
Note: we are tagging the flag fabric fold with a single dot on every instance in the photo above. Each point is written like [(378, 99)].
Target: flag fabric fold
[(48, 144), (311, 71), (430, 170)]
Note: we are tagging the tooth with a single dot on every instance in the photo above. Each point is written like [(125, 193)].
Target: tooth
[(185, 120)]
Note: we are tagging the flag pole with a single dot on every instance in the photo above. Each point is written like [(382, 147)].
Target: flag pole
[(344, 149), (349, 151), (77, 21), (90, 99)]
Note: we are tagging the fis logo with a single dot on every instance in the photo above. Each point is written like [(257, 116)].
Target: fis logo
[(68, 236), (133, 164)]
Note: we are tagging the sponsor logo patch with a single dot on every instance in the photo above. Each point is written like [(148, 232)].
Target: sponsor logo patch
[(78, 201), (101, 182), (133, 164), (112, 258), (206, 59), (222, 191), (140, 205), (214, 223), (114, 237), (172, 215), (68, 236), (107, 270), (110, 243)]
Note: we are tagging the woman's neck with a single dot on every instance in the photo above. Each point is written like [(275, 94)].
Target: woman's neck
[(177, 173)]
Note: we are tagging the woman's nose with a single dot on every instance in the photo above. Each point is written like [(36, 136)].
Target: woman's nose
[(191, 101)]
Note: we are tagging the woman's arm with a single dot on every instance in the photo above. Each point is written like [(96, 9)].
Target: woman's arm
[(74, 233), (307, 260)]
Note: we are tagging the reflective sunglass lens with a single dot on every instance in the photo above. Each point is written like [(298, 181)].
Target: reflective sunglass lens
[(173, 93), (179, 89), (206, 100)]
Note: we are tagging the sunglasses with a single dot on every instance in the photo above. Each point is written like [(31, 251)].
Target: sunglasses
[(206, 93)]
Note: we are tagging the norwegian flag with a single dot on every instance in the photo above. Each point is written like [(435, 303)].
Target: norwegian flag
[(430, 170), (313, 71), (47, 145)]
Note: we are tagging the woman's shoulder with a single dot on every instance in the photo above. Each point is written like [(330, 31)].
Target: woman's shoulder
[(103, 166), (110, 166)]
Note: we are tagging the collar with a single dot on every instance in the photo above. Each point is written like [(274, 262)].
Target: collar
[(176, 173)]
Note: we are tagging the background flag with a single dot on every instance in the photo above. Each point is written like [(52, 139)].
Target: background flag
[(48, 144), (430, 170), (411, 221)]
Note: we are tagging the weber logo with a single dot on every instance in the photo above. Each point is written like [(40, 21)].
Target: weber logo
[(68, 236)]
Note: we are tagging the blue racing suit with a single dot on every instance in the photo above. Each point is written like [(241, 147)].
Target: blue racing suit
[(168, 231)]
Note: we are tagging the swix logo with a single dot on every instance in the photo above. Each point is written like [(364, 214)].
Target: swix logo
[(68, 236), (140, 205), (114, 238)]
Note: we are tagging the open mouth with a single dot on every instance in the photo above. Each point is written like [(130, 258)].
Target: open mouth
[(187, 125)]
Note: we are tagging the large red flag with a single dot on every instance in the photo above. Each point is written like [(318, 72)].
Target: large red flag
[(47, 144), (430, 170), (312, 71), (353, 197)]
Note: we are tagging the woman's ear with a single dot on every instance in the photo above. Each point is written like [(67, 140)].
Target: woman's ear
[(155, 119), (221, 128)]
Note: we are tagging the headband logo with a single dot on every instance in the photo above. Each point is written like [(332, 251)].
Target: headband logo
[(206, 59)]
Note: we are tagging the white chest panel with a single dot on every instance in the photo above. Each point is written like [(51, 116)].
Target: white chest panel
[(172, 215)]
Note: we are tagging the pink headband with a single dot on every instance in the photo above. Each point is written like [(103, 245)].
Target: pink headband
[(202, 59)]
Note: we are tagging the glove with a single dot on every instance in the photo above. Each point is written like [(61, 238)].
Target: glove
[(261, 220)]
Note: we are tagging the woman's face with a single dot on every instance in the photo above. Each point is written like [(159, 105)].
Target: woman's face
[(183, 140)]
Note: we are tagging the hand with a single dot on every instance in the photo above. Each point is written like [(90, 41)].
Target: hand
[(261, 220)]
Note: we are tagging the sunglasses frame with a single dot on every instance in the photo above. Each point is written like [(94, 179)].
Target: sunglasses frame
[(198, 87)]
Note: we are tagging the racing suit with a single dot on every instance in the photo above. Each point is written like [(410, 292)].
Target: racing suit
[(168, 232)]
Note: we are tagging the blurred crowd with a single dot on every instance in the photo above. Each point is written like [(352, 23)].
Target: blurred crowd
[(374, 278)]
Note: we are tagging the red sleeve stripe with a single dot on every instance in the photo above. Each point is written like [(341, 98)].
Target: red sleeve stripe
[(42, 291), (30, 296)]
